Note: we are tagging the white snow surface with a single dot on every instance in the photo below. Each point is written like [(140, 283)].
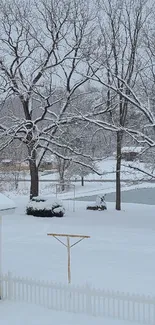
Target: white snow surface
[(23, 314), (106, 167), (120, 255), (6, 204), (132, 149)]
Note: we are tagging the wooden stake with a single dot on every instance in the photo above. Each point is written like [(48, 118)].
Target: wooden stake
[(68, 236), (65, 235), (69, 260)]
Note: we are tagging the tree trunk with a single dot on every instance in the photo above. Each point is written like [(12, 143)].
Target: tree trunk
[(118, 171), (82, 180), (34, 187), (62, 183)]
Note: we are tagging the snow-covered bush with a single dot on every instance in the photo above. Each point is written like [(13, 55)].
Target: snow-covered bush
[(99, 205), (45, 208), (38, 199)]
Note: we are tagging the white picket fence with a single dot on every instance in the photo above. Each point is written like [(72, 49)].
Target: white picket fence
[(78, 299)]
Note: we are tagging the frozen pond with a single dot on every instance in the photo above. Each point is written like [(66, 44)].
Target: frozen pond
[(141, 195)]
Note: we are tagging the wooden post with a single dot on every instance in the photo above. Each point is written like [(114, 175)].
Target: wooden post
[(80, 238), (69, 260)]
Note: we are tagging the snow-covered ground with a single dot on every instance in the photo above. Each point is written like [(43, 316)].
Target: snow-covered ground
[(120, 255), (23, 314), (106, 167)]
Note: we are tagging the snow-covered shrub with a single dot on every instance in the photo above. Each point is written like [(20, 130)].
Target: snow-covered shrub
[(99, 205), (45, 209), (95, 207), (38, 199)]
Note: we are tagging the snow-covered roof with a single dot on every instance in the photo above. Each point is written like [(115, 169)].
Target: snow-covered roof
[(132, 149), (6, 160), (7, 205)]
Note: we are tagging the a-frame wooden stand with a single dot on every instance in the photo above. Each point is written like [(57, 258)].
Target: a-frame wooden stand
[(68, 247)]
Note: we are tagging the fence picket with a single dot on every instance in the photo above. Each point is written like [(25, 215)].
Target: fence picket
[(10, 286), (135, 308)]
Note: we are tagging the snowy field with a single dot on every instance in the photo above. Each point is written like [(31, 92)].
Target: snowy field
[(106, 168), (23, 314), (120, 255)]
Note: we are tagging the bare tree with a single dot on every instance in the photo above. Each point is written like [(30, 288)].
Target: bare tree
[(43, 47), (121, 24)]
